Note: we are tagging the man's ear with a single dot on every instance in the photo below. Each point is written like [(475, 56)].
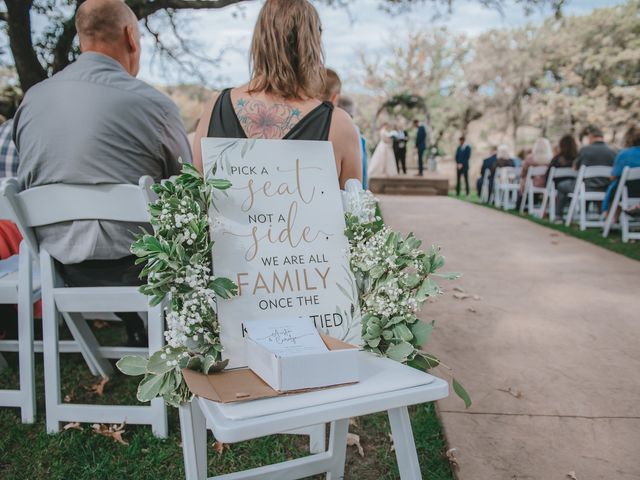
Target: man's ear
[(130, 35)]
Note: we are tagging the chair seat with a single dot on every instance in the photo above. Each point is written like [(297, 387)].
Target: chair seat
[(384, 384), (100, 299), (594, 196)]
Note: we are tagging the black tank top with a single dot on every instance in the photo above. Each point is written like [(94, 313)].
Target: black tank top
[(224, 121)]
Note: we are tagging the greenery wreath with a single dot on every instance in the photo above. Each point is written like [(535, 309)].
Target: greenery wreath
[(394, 278)]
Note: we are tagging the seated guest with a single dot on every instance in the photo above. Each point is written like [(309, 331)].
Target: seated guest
[(332, 87), (8, 152), (629, 157), (541, 154), (567, 153), (594, 154), (94, 123), (347, 104), (287, 79), (503, 159), (487, 164)]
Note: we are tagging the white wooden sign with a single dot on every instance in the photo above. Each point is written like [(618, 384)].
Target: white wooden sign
[(279, 235)]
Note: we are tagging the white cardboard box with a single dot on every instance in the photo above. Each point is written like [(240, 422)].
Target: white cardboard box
[(337, 366)]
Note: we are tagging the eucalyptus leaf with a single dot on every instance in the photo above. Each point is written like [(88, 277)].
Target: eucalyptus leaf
[(149, 387), (132, 365), (462, 393), (421, 332), (400, 351)]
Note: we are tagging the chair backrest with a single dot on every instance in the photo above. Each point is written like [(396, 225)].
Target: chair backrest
[(630, 175), (562, 172), (5, 209), (507, 174), (56, 203), (596, 171), (536, 171)]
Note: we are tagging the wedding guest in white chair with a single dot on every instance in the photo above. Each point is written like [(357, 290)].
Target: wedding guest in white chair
[(280, 99), (95, 123)]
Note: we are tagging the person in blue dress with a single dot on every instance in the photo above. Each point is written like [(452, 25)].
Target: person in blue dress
[(629, 157)]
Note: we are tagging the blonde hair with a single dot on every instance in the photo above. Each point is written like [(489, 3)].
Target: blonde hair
[(332, 86), (503, 152), (286, 50), (542, 152)]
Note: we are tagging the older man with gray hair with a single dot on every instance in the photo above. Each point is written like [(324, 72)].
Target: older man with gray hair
[(95, 123)]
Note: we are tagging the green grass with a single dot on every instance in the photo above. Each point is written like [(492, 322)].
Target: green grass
[(593, 235), (27, 452)]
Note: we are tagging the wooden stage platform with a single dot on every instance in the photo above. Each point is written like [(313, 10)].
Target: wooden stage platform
[(430, 184)]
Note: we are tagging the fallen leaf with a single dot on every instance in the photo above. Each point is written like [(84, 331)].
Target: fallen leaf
[(144, 450), (98, 388), (460, 296), (393, 446), (472, 310), (100, 324), (353, 422), (68, 398), (572, 475), (511, 391), (114, 431), (458, 289), (477, 297), (220, 447), (73, 425), (554, 234), (555, 242), (354, 440), (451, 456)]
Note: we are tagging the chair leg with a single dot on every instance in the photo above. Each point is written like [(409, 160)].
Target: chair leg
[(89, 346), (404, 444), (3, 363), (25, 336), (51, 366), (160, 426), (338, 448), (194, 441), (26, 357)]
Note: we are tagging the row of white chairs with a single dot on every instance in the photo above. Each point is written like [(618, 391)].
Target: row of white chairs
[(583, 202), (37, 278)]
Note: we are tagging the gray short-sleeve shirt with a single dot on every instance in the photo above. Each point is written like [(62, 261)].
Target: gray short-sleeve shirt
[(93, 123)]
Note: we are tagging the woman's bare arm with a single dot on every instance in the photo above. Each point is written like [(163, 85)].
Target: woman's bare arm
[(346, 146), (202, 131)]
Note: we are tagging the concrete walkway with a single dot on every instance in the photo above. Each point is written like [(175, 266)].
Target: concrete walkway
[(549, 351)]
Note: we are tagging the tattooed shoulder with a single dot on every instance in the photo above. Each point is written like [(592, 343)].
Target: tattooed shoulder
[(260, 120)]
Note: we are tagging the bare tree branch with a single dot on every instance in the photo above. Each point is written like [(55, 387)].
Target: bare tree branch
[(143, 8)]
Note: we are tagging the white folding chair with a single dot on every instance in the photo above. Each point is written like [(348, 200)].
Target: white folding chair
[(505, 187), (385, 385), (582, 198), (20, 284), (530, 191), (59, 203), (484, 190), (550, 195), (623, 200)]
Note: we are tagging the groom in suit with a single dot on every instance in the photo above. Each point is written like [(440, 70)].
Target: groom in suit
[(463, 154), (421, 144)]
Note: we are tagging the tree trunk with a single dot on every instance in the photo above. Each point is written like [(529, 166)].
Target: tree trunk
[(30, 70)]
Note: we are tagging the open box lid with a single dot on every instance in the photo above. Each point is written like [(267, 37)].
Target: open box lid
[(242, 383)]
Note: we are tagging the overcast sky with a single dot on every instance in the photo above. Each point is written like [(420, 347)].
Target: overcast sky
[(361, 25)]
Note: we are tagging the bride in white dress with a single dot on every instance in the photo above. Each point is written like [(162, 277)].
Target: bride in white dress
[(383, 160)]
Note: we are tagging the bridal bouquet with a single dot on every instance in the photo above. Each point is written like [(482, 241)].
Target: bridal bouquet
[(394, 278)]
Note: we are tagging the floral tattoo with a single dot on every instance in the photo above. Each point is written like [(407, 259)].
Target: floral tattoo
[(262, 121)]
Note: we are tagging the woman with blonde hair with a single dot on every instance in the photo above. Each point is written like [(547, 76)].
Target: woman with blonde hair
[(541, 155), (280, 99)]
